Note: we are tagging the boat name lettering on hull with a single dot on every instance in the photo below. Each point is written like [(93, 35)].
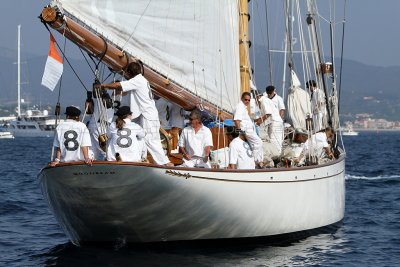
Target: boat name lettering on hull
[(94, 173)]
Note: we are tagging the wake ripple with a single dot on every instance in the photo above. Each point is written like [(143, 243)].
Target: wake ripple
[(380, 177)]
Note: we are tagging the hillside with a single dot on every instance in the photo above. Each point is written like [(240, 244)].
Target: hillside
[(365, 89), (33, 92)]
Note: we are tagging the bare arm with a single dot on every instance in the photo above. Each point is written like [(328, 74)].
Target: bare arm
[(184, 153), (329, 152), (262, 119), (85, 151), (207, 151), (237, 124), (282, 113), (232, 166), (57, 159), (112, 86)]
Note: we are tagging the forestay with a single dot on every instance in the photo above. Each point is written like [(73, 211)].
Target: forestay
[(194, 43)]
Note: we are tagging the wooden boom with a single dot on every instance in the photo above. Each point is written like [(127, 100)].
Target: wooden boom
[(118, 60)]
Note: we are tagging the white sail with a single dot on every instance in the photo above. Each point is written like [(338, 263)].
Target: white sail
[(194, 43)]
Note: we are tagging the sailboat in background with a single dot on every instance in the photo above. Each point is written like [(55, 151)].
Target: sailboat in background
[(34, 122), (195, 54)]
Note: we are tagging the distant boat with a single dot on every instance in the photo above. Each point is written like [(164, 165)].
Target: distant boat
[(35, 122), (6, 135), (348, 131)]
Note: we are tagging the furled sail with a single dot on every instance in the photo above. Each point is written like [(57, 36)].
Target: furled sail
[(193, 43), (298, 102)]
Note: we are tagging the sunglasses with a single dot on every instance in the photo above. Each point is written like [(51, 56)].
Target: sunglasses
[(246, 99)]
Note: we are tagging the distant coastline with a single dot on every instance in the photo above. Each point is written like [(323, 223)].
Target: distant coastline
[(375, 130)]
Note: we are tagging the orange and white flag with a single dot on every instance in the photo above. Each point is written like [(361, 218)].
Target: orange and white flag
[(54, 67)]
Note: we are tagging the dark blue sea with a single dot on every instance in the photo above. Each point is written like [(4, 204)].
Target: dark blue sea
[(369, 235)]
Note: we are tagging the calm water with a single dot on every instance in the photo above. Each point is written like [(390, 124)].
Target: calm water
[(369, 236)]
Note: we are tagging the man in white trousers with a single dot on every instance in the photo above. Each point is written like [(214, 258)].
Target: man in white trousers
[(143, 106)]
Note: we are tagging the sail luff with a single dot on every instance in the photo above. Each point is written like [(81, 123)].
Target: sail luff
[(117, 60)]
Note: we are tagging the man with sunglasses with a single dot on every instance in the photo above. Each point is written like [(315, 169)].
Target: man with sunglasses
[(195, 143), (244, 123)]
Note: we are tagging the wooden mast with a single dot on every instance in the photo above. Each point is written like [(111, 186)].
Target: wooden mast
[(244, 46), (117, 60)]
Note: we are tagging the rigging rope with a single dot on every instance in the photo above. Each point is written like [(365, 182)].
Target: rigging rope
[(341, 53), (271, 81), (134, 29)]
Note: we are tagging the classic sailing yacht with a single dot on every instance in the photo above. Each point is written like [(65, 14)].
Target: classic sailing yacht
[(195, 54)]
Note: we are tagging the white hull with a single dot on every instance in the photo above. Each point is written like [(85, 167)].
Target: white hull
[(138, 203), (32, 133), (32, 127)]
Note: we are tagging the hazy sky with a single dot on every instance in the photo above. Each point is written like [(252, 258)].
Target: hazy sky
[(372, 31)]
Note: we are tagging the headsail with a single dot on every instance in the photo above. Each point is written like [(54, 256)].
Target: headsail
[(193, 43)]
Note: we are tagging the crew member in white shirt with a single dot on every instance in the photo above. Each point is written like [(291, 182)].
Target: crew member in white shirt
[(278, 101), (318, 106), (143, 106), (276, 128), (318, 146), (240, 152), (126, 138), (72, 139), (243, 121), (195, 143)]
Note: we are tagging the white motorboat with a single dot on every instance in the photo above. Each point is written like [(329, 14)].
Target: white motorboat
[(34, 123), (348, 131), (195, 54), (6, 135)]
